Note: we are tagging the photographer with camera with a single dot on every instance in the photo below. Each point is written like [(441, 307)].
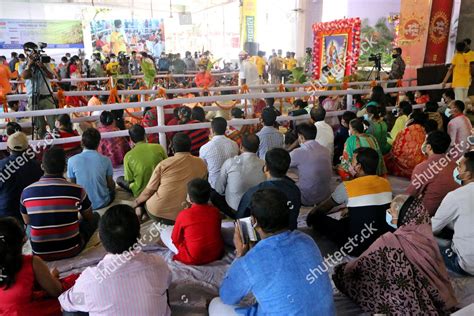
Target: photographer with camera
[(37, 73), (398, 67)]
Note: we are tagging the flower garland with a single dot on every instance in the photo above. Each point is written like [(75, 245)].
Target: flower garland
[(351, 27)]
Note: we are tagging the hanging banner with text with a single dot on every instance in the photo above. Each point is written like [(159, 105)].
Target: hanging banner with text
[(57, 34), (413, 36), (438, 34), (248, 15)]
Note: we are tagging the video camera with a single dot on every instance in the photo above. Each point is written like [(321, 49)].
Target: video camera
[(377, 59), (122, 58), (35, 52)]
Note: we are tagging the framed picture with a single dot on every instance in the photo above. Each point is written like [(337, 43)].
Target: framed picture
[(336, 49)]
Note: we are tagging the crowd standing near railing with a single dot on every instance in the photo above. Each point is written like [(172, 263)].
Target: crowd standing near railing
[(185, 139)]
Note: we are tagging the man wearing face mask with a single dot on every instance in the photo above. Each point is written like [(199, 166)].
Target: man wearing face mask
[(398, 67), (277, 270), (459, 126), (456, 212), (367, 197), (433, 177)]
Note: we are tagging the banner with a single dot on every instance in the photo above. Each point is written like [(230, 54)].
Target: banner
[(413, 36), (123, 35), (57, 34), (438, 35), (248, 15)]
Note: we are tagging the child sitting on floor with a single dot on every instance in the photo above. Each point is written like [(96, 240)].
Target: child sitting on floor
[(196, 237), (19, 274)]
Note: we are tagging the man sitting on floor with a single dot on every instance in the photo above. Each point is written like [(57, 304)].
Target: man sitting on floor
[(238, 175), (218, 149), (140, 162), (51, 207), (17, 171), (124, 275), (277, 163), (456, 211), (367, 198), (196, 237), (270, 137), (277, 270), (313, 163), (165, 193), (325, 136), (93, 171), (433, 177)]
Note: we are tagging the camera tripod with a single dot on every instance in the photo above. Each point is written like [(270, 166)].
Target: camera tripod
[(377, 68), (36, 81)]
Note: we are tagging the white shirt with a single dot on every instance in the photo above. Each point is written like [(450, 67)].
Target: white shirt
[(249, 72), (215, 153), (238, 175), (457, 210), (325, 136)]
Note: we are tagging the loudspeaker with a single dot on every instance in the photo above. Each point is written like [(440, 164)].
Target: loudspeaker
[(251, 48)]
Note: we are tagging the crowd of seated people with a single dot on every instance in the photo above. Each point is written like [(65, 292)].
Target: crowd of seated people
[(207, 175)]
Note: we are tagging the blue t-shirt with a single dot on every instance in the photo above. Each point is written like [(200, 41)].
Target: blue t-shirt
[(91, 169), (285, 273)]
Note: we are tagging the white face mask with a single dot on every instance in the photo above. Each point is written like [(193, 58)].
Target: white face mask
[(389, 218), (448, 112)]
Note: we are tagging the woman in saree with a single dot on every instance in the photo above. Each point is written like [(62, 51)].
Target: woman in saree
[(402, 273), (358, 138), (406, 151), (378, 128)]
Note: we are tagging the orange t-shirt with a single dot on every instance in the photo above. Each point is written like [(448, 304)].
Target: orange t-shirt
[(203, 79), (5, 76)]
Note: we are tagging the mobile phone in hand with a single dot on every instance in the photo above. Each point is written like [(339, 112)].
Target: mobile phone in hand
[(247, 232)]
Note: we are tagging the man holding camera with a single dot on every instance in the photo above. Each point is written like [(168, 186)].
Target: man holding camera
[(398, 67), (37, 73)]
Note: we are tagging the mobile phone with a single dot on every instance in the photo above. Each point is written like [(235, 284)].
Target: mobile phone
[(247, 232)]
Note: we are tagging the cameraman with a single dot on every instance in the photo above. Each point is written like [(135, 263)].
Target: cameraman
[(32, 72), (398, 67)]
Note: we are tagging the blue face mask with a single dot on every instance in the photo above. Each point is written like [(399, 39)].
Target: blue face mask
[(447, 112), (366, 117), (456, 176), (389, 218)]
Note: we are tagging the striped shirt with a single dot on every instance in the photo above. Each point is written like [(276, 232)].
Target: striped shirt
[(132, 283), (199, 137), (270, 138), (367, 199), (53, 205)]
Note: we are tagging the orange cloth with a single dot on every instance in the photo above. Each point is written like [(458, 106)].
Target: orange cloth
[(5, 76), (203, 79)]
